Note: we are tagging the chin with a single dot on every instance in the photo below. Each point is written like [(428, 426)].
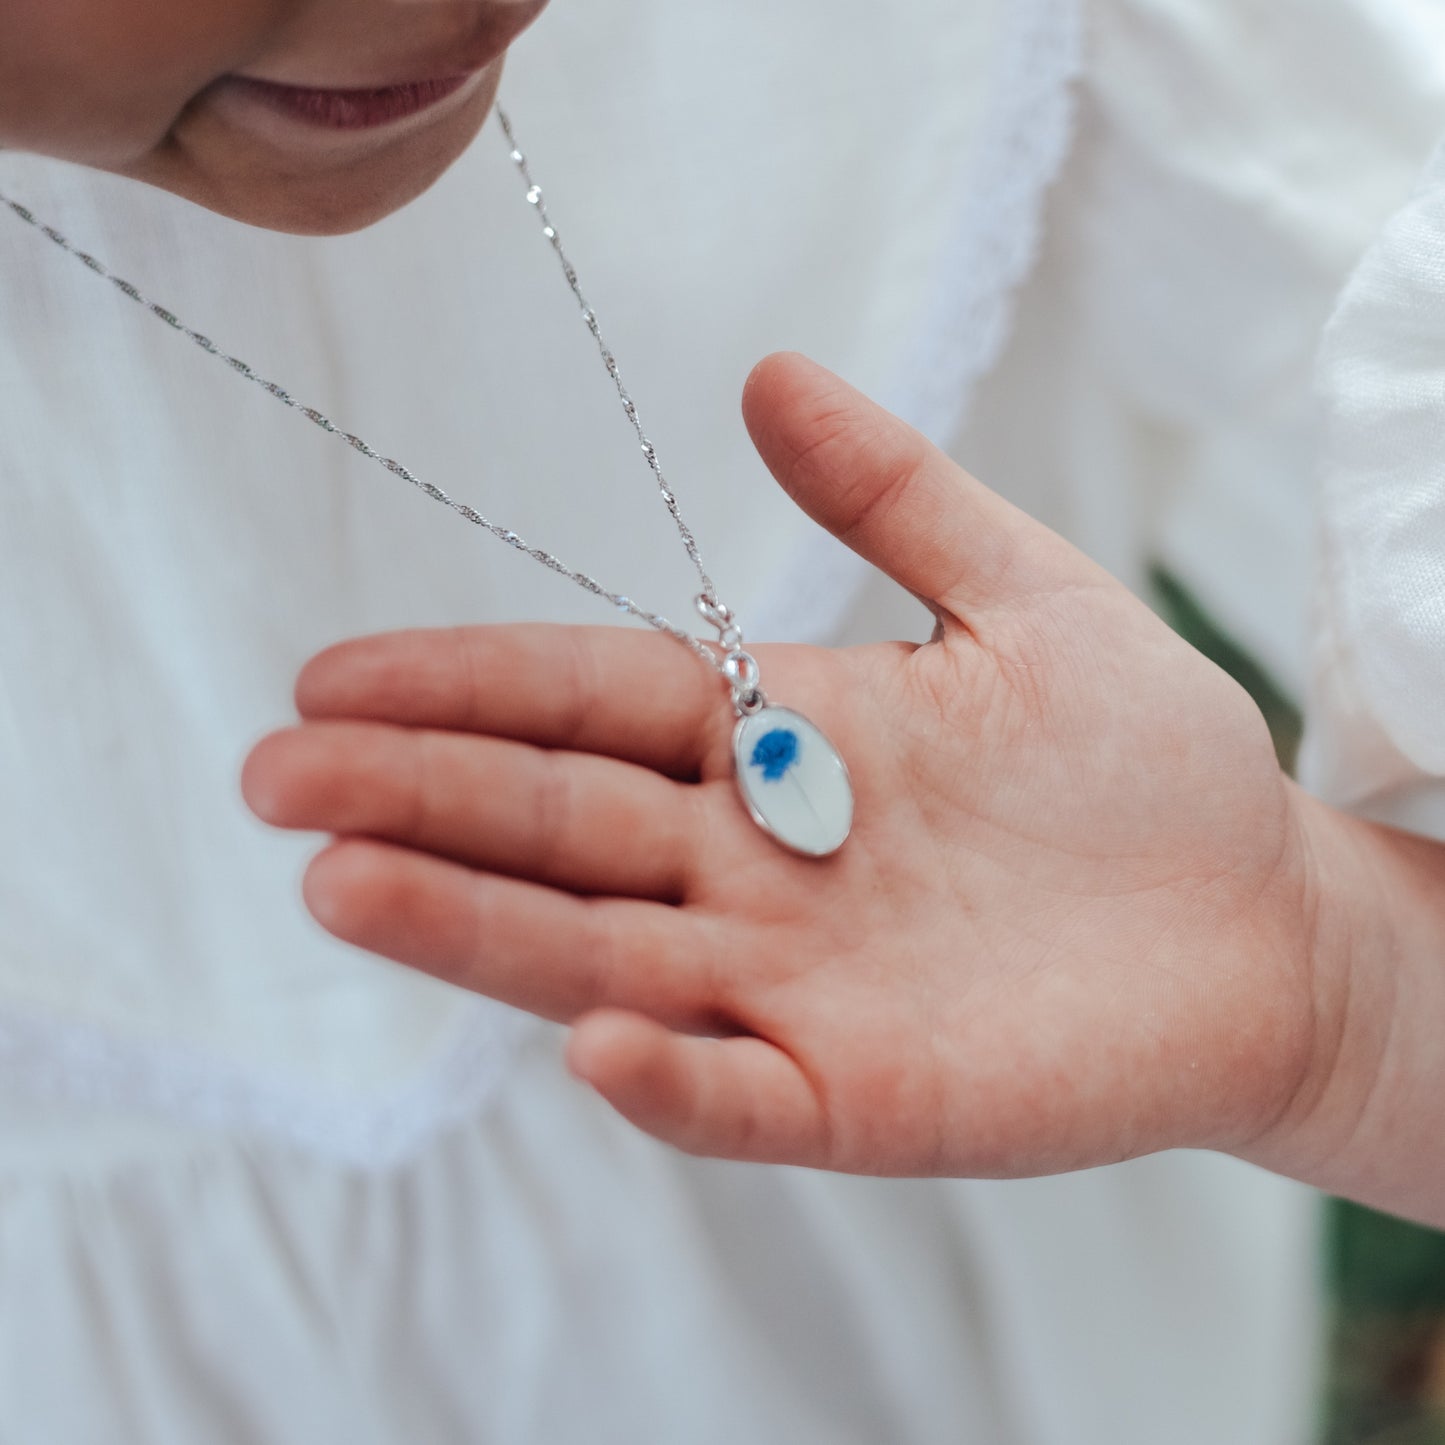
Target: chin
[(301, 195), (335, 206)]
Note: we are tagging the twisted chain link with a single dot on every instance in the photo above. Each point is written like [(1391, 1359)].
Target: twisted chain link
[(589, 317), (735, 666)]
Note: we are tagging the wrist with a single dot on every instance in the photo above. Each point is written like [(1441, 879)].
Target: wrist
[(1363, 1119)]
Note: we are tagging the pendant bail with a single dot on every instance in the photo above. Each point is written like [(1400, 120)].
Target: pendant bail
[(739, 667)]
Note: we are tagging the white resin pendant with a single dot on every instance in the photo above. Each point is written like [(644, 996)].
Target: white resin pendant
[(793, 781)]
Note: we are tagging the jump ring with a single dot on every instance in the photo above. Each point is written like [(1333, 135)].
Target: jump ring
[(742, 671)]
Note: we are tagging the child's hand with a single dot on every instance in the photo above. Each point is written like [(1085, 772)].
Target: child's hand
[(1071, 924)]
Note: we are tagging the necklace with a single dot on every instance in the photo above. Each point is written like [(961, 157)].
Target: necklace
[(792, 780)]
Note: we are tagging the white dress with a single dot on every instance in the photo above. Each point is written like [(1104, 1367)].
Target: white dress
[(255, 1187), (1376, 744)]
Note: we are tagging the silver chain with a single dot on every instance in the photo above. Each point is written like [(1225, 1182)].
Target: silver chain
[(736, 666), (589, 316)]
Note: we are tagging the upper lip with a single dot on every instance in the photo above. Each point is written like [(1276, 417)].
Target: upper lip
[(483, 41)]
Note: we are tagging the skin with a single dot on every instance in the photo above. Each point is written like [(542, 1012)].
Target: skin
[(144, 88), (1082, 916)]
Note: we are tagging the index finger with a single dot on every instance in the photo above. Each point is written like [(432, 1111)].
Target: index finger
[(627, 694)]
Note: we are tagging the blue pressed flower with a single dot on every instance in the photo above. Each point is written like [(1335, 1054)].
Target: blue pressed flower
[(776, 752)]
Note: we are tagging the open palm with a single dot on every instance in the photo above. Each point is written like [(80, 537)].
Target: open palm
[(1066, 929)]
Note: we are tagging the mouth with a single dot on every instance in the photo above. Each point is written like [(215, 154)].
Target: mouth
[(349, 109), (287, 107)]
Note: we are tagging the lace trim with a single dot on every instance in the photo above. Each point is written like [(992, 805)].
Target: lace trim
[(1025, 138), (46, 1058)]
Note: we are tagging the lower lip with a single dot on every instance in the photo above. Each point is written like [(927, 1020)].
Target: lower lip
[(350, 110)]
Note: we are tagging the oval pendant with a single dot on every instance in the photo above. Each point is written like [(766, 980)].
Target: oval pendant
[(794, 782)]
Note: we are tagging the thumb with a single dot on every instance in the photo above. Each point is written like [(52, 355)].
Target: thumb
[(892, 496)]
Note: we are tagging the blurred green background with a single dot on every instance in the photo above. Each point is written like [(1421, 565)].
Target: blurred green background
[(1385, 1372)]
